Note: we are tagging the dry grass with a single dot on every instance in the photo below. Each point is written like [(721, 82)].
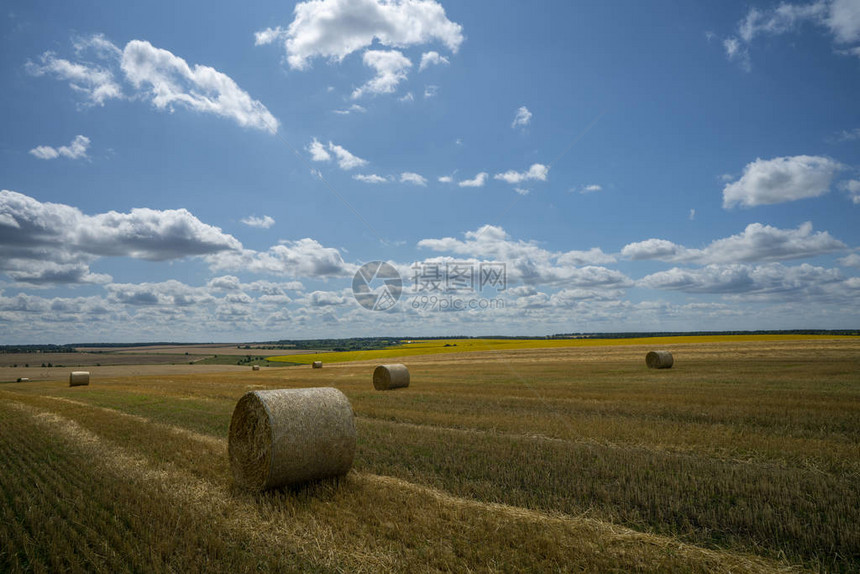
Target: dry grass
[(531, 460)]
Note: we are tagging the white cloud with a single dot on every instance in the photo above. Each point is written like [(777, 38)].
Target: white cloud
[(756, 243), (772, 280), (391, 69), (529, 263), (170, 293), (264, 222), (782, 179), (850, 260), (407, 97), (522, 118), (334, 29), (446, 179), (536, 172), (844, 20), (353, 108), (841, 18), (430, 91), (169, 81), (95, 82), (522, 190), (318, 151), (594, 256), (591, 188), (53, 243), (413, 178), (852, 186), (77, 149), (692, 215), (477, 181), (370, 178), (326, 299), (345, 159), (848, 135), (432, 58), (158, 75), (97, 44), (302, 258)]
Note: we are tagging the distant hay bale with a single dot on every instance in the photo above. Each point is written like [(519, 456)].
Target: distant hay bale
[(79, 378), (659, 360), (289, 436), (23, 380), (317, 365), (255, 367), (387, 377)]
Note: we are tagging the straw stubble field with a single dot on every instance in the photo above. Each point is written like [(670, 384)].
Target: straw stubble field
[(742, 457)]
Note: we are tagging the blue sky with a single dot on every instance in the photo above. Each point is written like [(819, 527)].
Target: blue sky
[(190, 173)]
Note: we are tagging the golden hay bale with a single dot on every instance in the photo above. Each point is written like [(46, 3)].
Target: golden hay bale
[(79, 378), (290, 436), (317, 365), (659, 360), (255, 367), (387, 377)]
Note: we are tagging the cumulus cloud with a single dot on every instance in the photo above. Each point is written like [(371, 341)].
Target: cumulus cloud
[(52, 242), (413, 178), (529, 263), (782, 179), (77, 149), (334, 29), (431, 58), (166, 80), (353, 108), (370, 178), (264, 222), (391, 68), (771, 280), (756, 243), (477, 181), (345, 159), (850, 260), (302, 258), (852, 187), (594, 256), (318, 151), (445, 179), (841, 18), (522, 118), (536, 172), (591, 188), (169, 81), (96, 83), (171, 293)]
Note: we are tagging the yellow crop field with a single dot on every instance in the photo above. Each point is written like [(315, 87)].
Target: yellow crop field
[(435, 346)]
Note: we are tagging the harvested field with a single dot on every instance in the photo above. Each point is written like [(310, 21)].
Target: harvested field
[(564, 459)]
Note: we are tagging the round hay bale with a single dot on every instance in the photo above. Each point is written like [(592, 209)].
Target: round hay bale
[(289, 436), (317, 365), (255, 367), (659, 360), (79, 378), (387, 377)]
